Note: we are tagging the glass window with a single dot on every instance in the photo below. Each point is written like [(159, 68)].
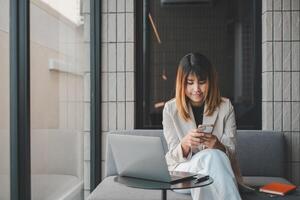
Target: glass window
[(224, 31), (4, 101), (59, 62)]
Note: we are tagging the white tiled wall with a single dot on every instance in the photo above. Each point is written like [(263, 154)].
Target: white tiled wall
[(281, 76), (117, 70)]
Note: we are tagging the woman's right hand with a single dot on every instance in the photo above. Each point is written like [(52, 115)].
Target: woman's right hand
[(190, 141)]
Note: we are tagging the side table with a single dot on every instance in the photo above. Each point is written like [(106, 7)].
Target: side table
[(156, 185)]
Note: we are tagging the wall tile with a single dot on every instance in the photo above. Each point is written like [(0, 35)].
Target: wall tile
[(63, 115), (112, 87), (286, 116), (266, 5), (121, 116), (295, 25), (278, 86), (129, 56), (112, 33), (80, 115), (87, 87), (130, 115), (295, 86), (277, 56), (112, 6), (121, 57), (277, 5), (267, 86), (104, 86), (286, 4), (296, 117), (121, 27), (103, 171), (63, 87), (71, 91), (277, 26), (104, 6), (129, 5), (130, 86), (286, 90), (267, 113), (295, 5), (286, 25), (112, 57), (267, 54), (86, 194), (121, 5), (72, 113), (103, 144), (86, 169), (112, 116), (104, 28), (278, 116), (87, 116), (104, 116), (104, 63), (87, 146), (296, 56), (121, 86), (286, 56), (129, 27)]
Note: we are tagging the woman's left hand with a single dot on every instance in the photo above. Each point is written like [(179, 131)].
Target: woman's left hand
[(212, 142)]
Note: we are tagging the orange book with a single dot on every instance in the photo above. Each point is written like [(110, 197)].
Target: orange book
[(277, 188)]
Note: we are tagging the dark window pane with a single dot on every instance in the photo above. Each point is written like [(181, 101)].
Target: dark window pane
[(224, 32)]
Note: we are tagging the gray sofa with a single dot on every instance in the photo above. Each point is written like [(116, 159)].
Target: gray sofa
[(261, 156)]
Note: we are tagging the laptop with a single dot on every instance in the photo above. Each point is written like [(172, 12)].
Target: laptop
[(143, 157)]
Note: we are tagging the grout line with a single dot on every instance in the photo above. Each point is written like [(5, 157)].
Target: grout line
[(116, 61), (281, 66), (125, 60), (273, 88), (291, 81)]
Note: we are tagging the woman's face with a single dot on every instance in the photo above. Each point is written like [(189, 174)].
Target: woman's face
[(196, 90)]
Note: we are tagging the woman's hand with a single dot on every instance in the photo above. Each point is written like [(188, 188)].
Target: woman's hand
[(211, 142), (191, 140)]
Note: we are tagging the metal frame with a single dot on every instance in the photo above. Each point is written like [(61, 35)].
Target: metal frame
[(257, 6), (142, 60), (20, 173), (95, 55)]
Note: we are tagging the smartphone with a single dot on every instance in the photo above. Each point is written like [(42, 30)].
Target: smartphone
[(206, 128)]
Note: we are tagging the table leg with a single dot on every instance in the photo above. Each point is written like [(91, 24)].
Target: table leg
[(164, 194)]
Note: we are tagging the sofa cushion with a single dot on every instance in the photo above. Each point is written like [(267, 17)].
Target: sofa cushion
[(261, 153), (262, 180), (108, 189)]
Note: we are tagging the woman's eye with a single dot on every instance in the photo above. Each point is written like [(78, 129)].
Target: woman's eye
[(202, 82), (190, 82)]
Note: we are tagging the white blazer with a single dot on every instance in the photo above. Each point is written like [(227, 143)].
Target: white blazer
[(175, 128)]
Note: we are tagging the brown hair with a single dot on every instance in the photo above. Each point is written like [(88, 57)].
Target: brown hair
[(200, 66)]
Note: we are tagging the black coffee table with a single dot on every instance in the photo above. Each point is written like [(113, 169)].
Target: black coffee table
[(156, 185)]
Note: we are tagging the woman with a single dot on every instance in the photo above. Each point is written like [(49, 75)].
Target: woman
[(197, 102)]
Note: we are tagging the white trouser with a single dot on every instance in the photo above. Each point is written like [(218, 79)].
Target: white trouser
[(216, 164)]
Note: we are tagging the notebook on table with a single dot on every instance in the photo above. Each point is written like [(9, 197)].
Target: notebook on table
[(143, 157)]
